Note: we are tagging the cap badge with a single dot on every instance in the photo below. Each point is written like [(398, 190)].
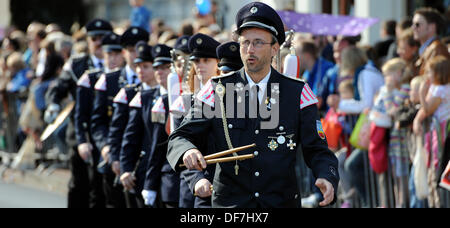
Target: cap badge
[(184, 42), (158, 49), (98, 24), (141, 48), (113, 37), (199, 41), (233, 48), (254, 10), (134, 31)]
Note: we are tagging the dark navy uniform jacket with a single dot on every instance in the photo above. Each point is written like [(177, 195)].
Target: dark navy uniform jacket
[(120, 119), (159, 175), (189, 178), (268, 180), (106, 89), (83, 108), (138, 136)]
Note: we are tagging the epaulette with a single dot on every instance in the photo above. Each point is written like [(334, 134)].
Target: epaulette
[(159, 112), (159, 106), (84, 81), (308, 97), (207, 95), (121, 97), (137, 101), (178, 105), (101, 83)]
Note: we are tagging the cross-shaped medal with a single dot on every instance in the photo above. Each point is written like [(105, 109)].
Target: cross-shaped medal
[(291, 145)]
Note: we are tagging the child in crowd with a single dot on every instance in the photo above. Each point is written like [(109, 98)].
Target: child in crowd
[(346, 91), (435, 101), (387, 103), (404, 120)]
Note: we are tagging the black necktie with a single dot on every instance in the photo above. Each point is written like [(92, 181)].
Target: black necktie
[(100, 65), (134, 79)]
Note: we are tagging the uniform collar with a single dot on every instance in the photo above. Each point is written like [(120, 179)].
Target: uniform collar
[(146, 87)]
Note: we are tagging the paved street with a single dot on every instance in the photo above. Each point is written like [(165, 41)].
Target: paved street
[(15, 196)]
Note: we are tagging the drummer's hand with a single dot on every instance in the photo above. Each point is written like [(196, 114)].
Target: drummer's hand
[(193, 159), (203, 188)]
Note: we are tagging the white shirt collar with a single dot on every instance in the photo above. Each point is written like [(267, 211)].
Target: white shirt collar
[(107, 70), (130, 73), (96, 61), (262, 84), (146, 87)]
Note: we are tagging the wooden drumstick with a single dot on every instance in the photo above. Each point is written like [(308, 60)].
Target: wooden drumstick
[(229, 159), (228, 152)]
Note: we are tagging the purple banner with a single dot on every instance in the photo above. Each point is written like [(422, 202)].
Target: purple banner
[(326, 24)]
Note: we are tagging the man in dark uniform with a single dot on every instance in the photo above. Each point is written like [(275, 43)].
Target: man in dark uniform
[(160, 178), (119, 123), (83, 110), (269, 179), (107, 87), (65, 85)]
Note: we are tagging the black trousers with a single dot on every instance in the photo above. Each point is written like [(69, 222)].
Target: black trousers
[(85, 185), (114, 194), (134, 200)]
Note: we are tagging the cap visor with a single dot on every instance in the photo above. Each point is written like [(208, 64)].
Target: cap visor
[(255, 24), (138, 60), (98, 33), (111, 49), (159, 63)]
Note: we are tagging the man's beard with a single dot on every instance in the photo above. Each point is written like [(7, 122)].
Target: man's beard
[(257, 66)]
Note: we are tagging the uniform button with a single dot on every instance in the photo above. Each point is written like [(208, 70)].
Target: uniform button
[(230, 126), (296, 196), (257, 174), (257, 132), (257, 195), (256, 153)]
